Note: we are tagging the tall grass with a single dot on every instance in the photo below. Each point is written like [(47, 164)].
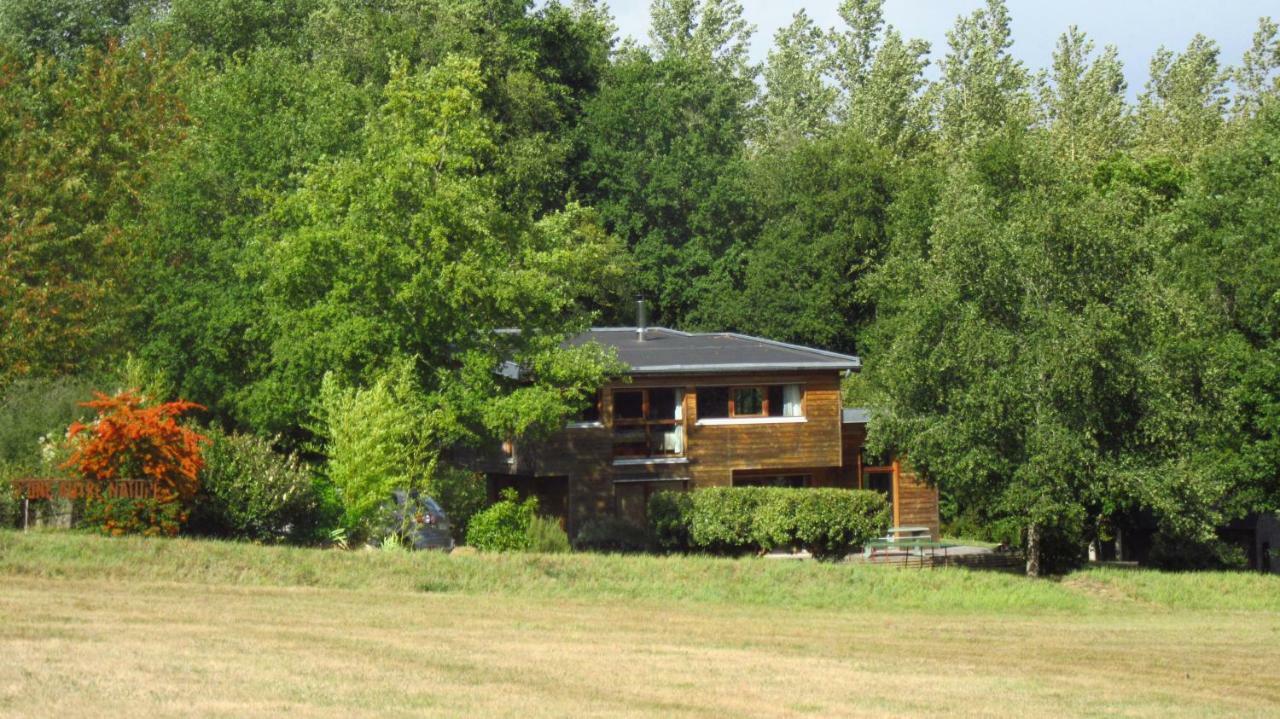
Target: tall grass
[(761, 582)]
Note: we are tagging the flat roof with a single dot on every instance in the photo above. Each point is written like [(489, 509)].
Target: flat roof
[(668, 351)]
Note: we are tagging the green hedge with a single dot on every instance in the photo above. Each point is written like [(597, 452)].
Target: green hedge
[(828, 523)]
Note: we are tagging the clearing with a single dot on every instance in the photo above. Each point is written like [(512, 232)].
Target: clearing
[(96, 627)]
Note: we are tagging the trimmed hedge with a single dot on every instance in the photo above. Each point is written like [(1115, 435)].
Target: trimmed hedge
[(721, 520), (828, 523)]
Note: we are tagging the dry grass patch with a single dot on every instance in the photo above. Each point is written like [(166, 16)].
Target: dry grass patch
[(76, 643)]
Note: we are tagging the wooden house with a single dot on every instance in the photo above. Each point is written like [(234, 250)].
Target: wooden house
[(706, 410)]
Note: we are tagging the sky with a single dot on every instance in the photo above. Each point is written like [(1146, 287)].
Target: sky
[(1136, 27)]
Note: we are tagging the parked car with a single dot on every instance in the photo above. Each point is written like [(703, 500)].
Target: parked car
[(419, 519)]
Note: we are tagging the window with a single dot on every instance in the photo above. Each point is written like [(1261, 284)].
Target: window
[(713, 402), (648, 423), (628, 405), (782, 400)]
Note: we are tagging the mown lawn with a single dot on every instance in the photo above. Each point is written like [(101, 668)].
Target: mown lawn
[(92, 627)]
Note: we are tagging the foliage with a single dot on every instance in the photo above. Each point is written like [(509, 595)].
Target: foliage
[(403, 255), (504, 525), (611, 534), (10, 505), (722, 519), (65, 29), (76, 143), (118, 516), (828, 523), (250, 491), (130, 441), (460, 494), (546, 536), (667, 513), (1177, 553), (374, 444), (32, 410), (664, 140)]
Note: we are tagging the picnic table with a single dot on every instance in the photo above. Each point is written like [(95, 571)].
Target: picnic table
[(906, 542)]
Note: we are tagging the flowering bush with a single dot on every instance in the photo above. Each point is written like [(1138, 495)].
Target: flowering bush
[(129, 441)]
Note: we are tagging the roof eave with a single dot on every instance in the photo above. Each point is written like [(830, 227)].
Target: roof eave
[(745, 367)]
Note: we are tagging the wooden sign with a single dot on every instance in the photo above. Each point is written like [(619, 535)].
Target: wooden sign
[(36, 489)]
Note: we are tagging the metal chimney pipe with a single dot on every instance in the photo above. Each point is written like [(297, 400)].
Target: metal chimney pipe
[(642, 318)]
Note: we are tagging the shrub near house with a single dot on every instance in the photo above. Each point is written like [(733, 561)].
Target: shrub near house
[(828, 523)]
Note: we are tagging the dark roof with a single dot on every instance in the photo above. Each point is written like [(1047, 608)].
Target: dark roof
[(666, 351), (856, 415)]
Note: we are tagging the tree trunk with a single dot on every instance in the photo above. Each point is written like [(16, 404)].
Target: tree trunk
[(1033, 550)]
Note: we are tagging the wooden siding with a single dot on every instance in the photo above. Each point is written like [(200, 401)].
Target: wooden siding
[(916, 503), (716, 451), (820, 446)]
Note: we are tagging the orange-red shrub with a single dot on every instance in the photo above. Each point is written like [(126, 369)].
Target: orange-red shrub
[(131, 441)]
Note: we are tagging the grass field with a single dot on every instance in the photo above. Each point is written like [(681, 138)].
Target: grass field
[(95, 627)]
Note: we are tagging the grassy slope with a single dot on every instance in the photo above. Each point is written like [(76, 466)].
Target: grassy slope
[(109, 627), (777, 583)]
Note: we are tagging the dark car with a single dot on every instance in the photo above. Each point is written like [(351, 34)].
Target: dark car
[(420, 520)]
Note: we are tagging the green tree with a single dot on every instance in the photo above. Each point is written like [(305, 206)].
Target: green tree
[(257, 124), (881, 76), (798, 102), (983, 88), (64, 29), (1084, 102), (77, 146), (664, 141), (1007, 347), (403, 252), (1259, 71), (1218, 359), (1185, 101), (822, 207)]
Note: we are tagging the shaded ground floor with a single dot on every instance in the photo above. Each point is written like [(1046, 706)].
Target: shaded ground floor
[(575, 498)]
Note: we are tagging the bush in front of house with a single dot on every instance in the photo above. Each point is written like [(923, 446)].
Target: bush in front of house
[(668, 520), (250, 491), (721, 520), (611, 534), (828, 523), (545, 535), (503, 526)]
